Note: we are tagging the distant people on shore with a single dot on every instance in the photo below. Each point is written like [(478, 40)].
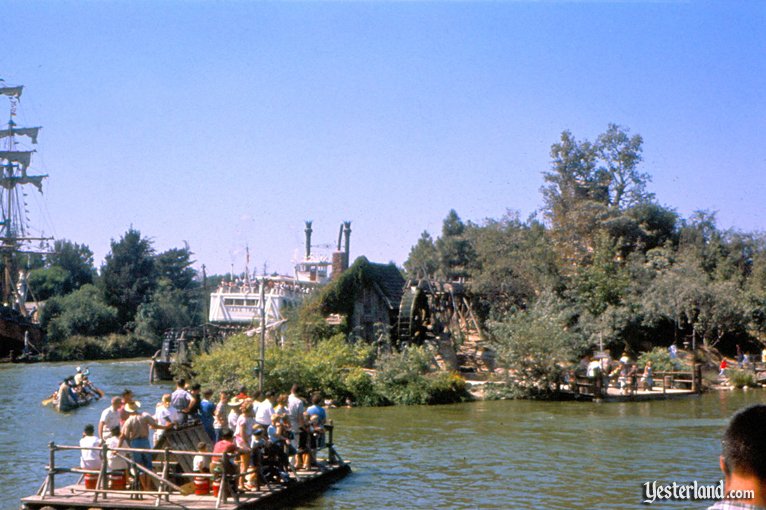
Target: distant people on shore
[(647, 378)]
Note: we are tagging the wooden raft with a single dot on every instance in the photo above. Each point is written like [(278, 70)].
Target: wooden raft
[(310, 484)]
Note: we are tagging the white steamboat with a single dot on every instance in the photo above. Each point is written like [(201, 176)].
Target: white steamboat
[(240, 301)]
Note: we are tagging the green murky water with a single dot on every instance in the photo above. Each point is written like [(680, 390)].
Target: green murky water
[(478, 455)]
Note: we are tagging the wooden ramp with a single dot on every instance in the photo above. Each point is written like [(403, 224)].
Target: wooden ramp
[(309, 484)]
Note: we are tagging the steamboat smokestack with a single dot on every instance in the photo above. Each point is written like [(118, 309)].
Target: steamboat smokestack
[(347, 233), (308, 239)]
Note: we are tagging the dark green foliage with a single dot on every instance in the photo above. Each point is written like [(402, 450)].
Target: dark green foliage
[(174, 266), (109, 347), (167, 309), (423, 260), (454, 249), (334, 367), (66, 269), (128, 275), (82, 313), (535, 345)]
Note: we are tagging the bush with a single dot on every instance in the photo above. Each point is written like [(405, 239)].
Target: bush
[(234, 363), (90, 348), (741, 378), (406, 378), (661, 360), (336, 368), (533, 346), (82, 312)]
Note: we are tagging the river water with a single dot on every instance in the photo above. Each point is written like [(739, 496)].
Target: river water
[(506, 454)]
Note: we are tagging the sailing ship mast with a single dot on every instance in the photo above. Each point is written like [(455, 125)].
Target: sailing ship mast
[(15, 237)]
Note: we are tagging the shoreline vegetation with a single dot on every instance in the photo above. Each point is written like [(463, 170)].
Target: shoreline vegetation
[(603, 265)]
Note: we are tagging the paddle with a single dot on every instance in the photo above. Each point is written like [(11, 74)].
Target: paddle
[(47, 401)]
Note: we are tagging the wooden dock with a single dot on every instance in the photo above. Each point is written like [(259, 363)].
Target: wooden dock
[(667, 385), (310, 483)]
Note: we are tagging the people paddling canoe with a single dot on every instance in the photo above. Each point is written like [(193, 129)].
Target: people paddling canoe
[(74, 391)]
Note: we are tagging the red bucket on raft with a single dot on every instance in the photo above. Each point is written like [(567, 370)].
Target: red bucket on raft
[(90, 480), (117, 480), (202, 486)]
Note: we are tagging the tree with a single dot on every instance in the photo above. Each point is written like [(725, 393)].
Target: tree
[(174, 265), (513, 264), (67, 268), (591, 188), (128, 275), (454, 249), (423, 260), (167, 309), (82, 312), (534, 344), (620, 155)]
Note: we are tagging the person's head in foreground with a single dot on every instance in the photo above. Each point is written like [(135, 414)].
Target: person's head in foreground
[(743, 458)]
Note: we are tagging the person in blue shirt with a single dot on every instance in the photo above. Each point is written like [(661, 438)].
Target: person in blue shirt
[(206, 412)]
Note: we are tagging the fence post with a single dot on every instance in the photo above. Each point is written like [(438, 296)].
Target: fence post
[(163, 486), (51, 468), (224, 487), (330, 450), (104, 478), (697, 378)]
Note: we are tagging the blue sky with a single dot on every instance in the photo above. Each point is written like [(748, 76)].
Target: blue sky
[(228, 123)]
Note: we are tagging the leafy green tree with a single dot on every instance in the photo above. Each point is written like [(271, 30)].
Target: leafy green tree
[(82, 312), (534, 345), (513, 263), (423, 260), (48, 282), (174, 265), (591, 189), (454, 249), (620, 155), (685, 295), (168, 308), (128, 275), (67, 268)]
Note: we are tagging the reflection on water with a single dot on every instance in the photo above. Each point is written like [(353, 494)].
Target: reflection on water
[(478, 455)]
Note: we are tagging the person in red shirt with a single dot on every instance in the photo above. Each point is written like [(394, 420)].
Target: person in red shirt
[(226, 445), (723, 367)]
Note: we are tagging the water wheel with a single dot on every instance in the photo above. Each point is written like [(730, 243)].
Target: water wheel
[(414, 316)]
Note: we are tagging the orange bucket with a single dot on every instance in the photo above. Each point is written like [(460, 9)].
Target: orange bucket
[(90, 480), (117, 480), (202, 485)]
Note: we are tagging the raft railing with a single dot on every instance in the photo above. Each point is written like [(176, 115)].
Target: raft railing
[(164, 486)]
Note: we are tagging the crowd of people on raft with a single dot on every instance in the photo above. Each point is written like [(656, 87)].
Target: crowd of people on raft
[(265, 435)]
